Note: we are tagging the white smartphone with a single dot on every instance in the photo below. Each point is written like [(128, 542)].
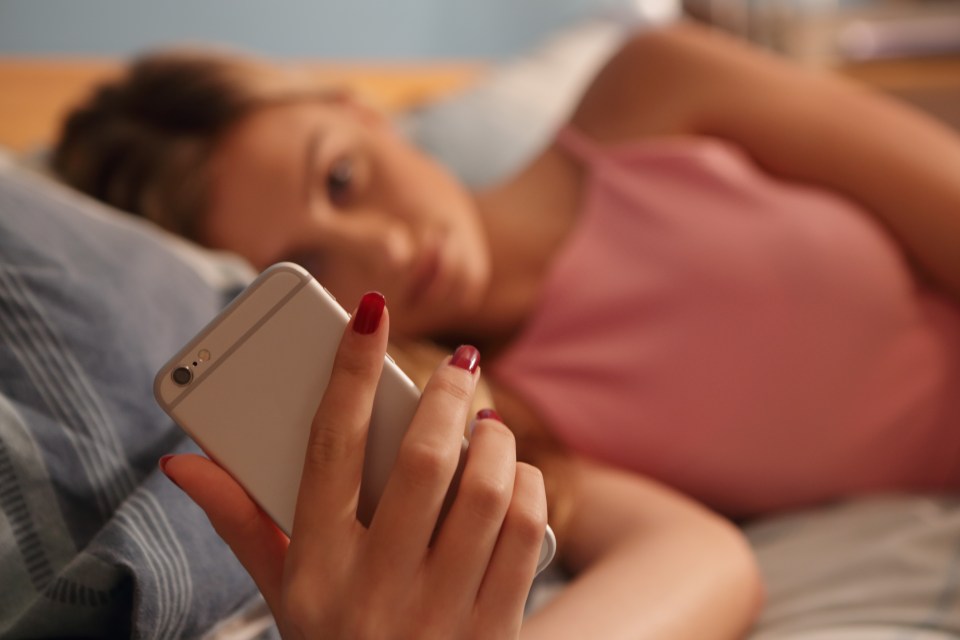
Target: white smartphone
[(247, 386)]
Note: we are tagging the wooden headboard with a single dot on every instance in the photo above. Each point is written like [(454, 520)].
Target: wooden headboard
[(36, 92)]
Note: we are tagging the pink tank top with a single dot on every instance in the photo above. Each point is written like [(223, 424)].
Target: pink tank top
[(755, 343)]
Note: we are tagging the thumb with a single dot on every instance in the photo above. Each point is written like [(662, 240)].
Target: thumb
[(250, 533)]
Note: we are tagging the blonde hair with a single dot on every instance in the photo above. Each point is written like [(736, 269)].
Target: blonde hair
[(141, 142)]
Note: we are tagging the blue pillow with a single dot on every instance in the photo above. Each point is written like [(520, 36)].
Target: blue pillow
[(93, 540)]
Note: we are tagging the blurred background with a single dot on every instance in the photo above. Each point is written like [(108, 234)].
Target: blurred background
[(908, 48), (813, 30), (830, 31), (348, 29), (51, 49)]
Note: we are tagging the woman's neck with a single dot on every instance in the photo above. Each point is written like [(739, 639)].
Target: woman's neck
[(526, 220)]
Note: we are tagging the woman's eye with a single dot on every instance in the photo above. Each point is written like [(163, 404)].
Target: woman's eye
[(339, 180)]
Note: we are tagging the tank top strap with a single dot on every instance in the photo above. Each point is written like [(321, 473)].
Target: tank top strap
[(579, 145)]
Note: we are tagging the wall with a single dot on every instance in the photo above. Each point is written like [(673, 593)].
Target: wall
[(402, 29)]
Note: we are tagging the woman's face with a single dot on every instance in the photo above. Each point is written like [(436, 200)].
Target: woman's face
[(329, 185)]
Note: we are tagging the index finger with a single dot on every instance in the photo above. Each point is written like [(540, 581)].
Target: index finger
[(333, 462)]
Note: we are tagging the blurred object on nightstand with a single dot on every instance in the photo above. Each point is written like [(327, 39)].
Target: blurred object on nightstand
[(908, 48), (833, 31)]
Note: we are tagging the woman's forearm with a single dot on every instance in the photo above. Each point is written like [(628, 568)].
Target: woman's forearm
[(802, 125), (650, 564), (900, 164), (663, 587)]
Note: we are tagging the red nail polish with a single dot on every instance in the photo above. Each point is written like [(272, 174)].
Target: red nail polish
[(466, 357), (488, 414), (369, 313)]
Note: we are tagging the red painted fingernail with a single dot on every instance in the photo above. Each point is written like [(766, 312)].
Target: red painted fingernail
[(466, 357), (162, 463), (369, 313), (488, 414)]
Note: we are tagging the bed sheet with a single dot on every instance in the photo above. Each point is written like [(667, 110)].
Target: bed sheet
[(874, 568), (882, 568)]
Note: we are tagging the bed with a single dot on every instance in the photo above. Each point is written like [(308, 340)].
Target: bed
[(94, 541)]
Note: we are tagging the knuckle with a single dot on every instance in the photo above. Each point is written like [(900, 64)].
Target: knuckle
[(531, 479), (423, 465), (486, 498), (527, 516), (355, 366), (328, 444), (455, 386), (527, 525)]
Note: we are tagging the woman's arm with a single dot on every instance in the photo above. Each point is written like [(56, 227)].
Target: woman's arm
[(798, 124), (651, 564)]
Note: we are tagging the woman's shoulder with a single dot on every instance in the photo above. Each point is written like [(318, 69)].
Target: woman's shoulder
[(637, 93), (661, 82)]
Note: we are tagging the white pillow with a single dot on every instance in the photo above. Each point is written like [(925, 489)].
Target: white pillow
[(494, 128)]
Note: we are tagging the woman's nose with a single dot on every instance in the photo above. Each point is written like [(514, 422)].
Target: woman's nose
[(394, 249), (385, 247)]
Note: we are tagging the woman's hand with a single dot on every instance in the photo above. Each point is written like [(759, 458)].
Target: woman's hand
[(336, 579)]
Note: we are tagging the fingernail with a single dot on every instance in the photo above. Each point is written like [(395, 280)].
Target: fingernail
[(488, 414), (483, 414), (369, 313), (162, 463), (466, 357)]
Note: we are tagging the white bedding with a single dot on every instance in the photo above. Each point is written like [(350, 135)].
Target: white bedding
[(884, 568)]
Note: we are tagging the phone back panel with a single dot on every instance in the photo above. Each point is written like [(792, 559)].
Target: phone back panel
[(250, 405)]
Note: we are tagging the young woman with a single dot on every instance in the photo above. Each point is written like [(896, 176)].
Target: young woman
[(727, 273)]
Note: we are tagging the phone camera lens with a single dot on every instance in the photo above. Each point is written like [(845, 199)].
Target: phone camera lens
[(182, 376)]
